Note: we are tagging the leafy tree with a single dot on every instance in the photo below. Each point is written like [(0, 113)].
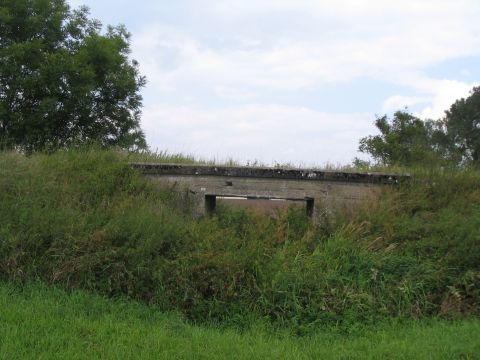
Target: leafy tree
[(62, 81), (403, 140), (462, 126)]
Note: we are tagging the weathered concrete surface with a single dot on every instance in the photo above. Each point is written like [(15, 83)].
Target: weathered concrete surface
[(264, 172), (321, 190)]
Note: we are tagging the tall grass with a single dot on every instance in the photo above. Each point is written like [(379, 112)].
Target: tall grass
[(44, 323), (85, 219)]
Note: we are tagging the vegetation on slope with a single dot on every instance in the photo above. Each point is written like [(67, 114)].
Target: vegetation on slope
[(85, 219), (37, 322)]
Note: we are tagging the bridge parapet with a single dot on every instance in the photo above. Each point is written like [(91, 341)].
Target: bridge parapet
[(268, 173)]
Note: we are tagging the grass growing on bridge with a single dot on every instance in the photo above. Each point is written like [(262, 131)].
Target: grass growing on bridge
[(41, 323), (85, 219)]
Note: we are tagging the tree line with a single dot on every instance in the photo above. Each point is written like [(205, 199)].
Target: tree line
[(64, 82), (407, 140)]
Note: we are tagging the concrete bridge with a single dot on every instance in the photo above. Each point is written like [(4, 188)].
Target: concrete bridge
[(319, 190)]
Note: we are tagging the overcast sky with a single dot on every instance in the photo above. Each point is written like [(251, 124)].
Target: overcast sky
[(296, 81)]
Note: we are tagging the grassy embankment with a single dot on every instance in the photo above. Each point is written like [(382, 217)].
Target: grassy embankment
[(86, 220), (41, 323)]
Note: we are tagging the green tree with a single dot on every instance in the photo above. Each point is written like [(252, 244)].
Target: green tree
[(63, 81), (462, 125), (403, 140)]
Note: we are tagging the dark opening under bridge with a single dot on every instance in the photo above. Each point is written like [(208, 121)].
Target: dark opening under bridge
[(318, 189)]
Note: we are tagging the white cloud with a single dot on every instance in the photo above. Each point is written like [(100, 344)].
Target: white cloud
[(397, 102), (290, 64), (445, 92), (244, 50), (405, 39), (268, 133)]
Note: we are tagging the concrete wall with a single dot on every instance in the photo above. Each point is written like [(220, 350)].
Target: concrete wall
[(322, 191)]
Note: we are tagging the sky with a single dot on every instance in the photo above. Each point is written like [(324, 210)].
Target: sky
[(292, 81)]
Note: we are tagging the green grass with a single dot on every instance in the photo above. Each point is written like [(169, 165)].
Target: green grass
[(162, 156), (84, 219), (37, 322)]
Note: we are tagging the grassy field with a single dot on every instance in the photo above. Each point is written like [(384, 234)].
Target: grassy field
[(84, 219), (37, 322)]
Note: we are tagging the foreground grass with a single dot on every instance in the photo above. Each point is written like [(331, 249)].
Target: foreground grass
[(37, 322)]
